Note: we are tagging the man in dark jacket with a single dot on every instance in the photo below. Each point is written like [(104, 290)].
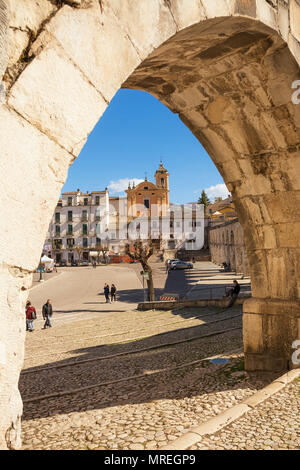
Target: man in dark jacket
[(47, 314), (106, 292), (234, 293)]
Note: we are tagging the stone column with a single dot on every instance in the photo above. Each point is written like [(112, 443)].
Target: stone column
[(270, 327), (271, 321)]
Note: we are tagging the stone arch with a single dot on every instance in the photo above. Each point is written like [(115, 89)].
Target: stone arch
[(226, 67)]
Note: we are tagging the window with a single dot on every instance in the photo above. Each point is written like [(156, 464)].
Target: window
[(70, 216), (171, 224), (147, 203), (84, 215), (57, 244), (57, 217), (162, 182), (70, 229), (70, 242), (84, 242), (98, 241), (97, 200), (84, 229), (57, 230), (70, 201), (59, 204), (97, 215), (85, 201)]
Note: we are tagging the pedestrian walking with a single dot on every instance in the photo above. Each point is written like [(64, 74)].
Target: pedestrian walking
[(233, 293), (47, 314), (113, 291), (30, 316), (106, 292)]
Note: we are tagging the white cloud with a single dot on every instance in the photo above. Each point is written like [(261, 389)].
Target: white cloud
[(219, 190), (120, 185)]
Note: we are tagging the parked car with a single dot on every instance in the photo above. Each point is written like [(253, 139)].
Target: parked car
[(181, 265), (84, 262), (74, 263), (63, 262), (170, 261)]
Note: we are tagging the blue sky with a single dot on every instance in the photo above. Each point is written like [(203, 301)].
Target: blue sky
[(135, 132)]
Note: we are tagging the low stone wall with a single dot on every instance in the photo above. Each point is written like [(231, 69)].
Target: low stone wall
[(226, 243), (169, 305)]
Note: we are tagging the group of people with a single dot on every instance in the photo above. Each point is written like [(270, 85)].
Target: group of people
[(110, 293), (31, 315)]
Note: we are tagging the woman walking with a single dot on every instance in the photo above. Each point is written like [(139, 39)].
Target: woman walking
[(113, 291)]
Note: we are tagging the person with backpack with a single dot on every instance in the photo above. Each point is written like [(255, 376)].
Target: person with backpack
[(30, 316), (106, 292), (113, 291), (47, 314)]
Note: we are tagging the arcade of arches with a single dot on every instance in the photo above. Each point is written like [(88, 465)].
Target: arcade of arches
[(226, 244), (225, 66)]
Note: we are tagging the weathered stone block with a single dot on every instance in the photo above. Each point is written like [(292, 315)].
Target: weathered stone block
[(64, 109), (253, 333), (295, 18), (147, 26), (221, 8), (187, 12), (97, 44), (283, 21), (35, 169)]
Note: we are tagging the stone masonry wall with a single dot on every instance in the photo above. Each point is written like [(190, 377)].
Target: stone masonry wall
[(226, 243)]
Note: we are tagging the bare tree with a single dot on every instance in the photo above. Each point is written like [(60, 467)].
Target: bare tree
[(142, 252), (79, 250), (104, 250)]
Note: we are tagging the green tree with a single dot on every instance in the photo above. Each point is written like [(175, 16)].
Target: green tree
[(204, 199)]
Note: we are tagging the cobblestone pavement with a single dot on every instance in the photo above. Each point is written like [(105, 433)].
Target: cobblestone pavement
[(274, 424), (123, 379), (177, 386)]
